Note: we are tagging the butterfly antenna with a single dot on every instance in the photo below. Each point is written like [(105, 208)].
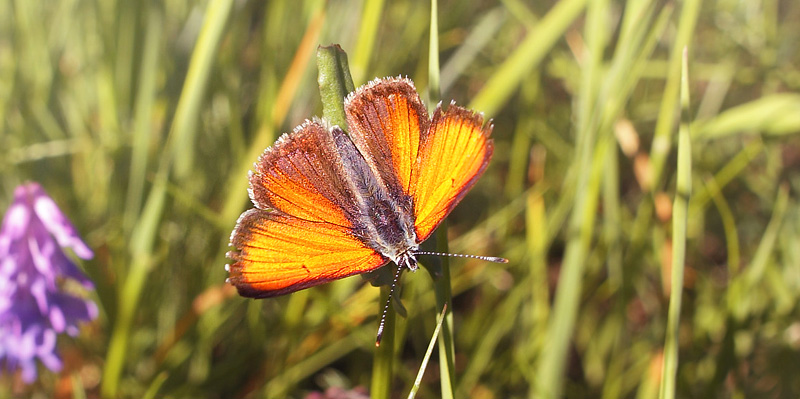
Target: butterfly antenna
[(386, 307), (494, 259)]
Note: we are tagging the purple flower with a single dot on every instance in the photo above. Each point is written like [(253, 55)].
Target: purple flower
[(33, 308), (340, 393)]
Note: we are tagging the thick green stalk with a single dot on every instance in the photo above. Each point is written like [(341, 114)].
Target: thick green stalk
[(334, 82), (383, 365), (444, 296)]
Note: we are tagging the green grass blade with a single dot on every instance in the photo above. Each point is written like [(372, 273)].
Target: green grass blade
[(155, 386), (143, 114), (729, 226), (434, 93), (662, 143), (680, 216), (141, 252), (418, 380), (370, 21), (479, 37), (774, 115), (184, 131), (760, 261), (526, 56), (78, 390)]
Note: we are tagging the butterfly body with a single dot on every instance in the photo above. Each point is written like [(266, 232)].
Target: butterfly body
[(330, 205)]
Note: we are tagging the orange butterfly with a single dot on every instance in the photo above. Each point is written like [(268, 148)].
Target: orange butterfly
[(330, 205)]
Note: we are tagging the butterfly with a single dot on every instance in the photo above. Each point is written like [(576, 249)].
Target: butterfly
[(329, 205)]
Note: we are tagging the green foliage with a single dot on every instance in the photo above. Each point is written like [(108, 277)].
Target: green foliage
[(142, 119)]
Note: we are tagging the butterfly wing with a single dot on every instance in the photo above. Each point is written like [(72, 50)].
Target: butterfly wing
[(304, 230), (386, 119), (428, 164), (278, 254), (452, 156), (303, 175)]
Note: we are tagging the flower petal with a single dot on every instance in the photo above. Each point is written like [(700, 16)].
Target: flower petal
[(29, 373), (46, 350), (15, 225), (56, 223), (73, 310)]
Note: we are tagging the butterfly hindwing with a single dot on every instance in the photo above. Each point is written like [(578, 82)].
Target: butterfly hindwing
[(278, 254), (452, 156)]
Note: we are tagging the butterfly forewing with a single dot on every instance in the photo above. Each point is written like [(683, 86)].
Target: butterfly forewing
[(386, 119)]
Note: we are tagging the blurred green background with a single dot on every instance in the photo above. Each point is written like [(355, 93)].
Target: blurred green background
[(142, 118)]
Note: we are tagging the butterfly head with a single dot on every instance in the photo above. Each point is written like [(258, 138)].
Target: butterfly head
[(408, 260)]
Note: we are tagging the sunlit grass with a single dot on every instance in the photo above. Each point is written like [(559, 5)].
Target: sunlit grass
[(143, 119)]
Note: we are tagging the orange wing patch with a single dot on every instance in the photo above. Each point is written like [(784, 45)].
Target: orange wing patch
[(279, 254), (385, 118), (451, 158), (300, 176)]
